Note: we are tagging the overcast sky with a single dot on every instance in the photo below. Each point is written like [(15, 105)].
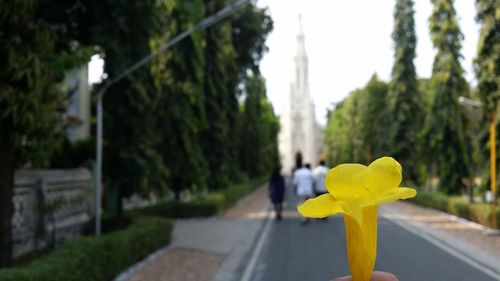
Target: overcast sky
[(346, 42)]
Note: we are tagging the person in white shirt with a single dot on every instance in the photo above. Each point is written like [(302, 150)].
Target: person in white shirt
[(319, 174), (303, 182)]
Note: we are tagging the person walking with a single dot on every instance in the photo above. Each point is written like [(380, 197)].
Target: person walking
[(277, 191), (319, 174), (303, 182)]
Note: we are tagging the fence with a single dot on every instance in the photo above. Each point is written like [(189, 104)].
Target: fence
[(50, 207)]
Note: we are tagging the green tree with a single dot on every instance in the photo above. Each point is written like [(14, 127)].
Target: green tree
[(249, 134), (250, 27), (179, 79), (446, 123), (404, 99), (487, 63), (131, 162), (35, 54), (373, 119), (270, 126), (487, 67), (258, 131), (342, 139), (219, 98)]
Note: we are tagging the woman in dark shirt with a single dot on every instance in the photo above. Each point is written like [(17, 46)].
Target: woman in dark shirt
[(277, 191)]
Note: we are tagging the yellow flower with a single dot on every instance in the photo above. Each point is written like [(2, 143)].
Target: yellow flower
[(356, 191)]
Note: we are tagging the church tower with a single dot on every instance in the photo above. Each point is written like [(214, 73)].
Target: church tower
[(299, 130)]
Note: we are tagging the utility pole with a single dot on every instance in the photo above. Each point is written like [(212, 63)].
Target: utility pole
[(493, 169)]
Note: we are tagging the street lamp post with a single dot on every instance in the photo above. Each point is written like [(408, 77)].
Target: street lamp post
[(493, 169)]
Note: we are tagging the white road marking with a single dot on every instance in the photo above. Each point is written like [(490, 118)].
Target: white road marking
[(247, 274)]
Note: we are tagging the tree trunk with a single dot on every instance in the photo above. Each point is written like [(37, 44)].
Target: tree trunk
[(7, 170)]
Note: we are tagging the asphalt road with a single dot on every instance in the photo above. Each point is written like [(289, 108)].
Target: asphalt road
[(316, 251)]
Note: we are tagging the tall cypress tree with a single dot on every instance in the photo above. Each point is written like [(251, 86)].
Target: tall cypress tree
[(249, 130), (445, 126), (374, 132), (404, 98), (220, 98), (487, 65), (179, 78)]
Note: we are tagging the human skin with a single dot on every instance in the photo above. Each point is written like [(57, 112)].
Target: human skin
[(376, 276)]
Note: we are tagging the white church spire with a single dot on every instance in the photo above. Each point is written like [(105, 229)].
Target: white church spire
[(299, 130), (301, 46)]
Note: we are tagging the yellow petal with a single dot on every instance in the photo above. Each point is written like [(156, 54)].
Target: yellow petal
[(346, 181), (362, 244), (320, 207), (382, 174), (394, 194)]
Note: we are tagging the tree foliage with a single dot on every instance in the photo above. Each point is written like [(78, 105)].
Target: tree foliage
[(487, 63), (446, 123), (35, 54), (179, 74), (258, 129), (487, 69), (232, 54), (356, 130), (131, 160), (405, 101), (220, 99)]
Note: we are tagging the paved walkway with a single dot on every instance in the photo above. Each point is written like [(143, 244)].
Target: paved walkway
[(205, 249), (218, 248)]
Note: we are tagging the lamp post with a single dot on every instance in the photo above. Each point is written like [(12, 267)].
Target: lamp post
[(493, 169)]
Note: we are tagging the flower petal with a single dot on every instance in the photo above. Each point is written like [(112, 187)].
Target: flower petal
[(383, 174), (394, 194), (320, 207), (346, 181)]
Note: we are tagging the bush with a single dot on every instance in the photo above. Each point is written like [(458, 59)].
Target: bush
[(459, 207), (434, 200), (96, 258), (480, 213), (234, 193), (212, 204), (174, 209)]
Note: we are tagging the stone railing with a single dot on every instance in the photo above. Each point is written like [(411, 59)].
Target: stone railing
[(50, 207)]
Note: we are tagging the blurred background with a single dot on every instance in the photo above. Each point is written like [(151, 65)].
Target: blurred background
[(138, 138)]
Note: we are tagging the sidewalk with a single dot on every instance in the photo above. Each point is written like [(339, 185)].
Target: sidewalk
[(207, 249), (461, 238)]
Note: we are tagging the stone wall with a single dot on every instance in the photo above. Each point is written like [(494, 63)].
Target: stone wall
[(50, 207)]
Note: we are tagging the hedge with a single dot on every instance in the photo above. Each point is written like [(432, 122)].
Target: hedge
[(212, 204), (96, 258), (458, 206), (173, 209)]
